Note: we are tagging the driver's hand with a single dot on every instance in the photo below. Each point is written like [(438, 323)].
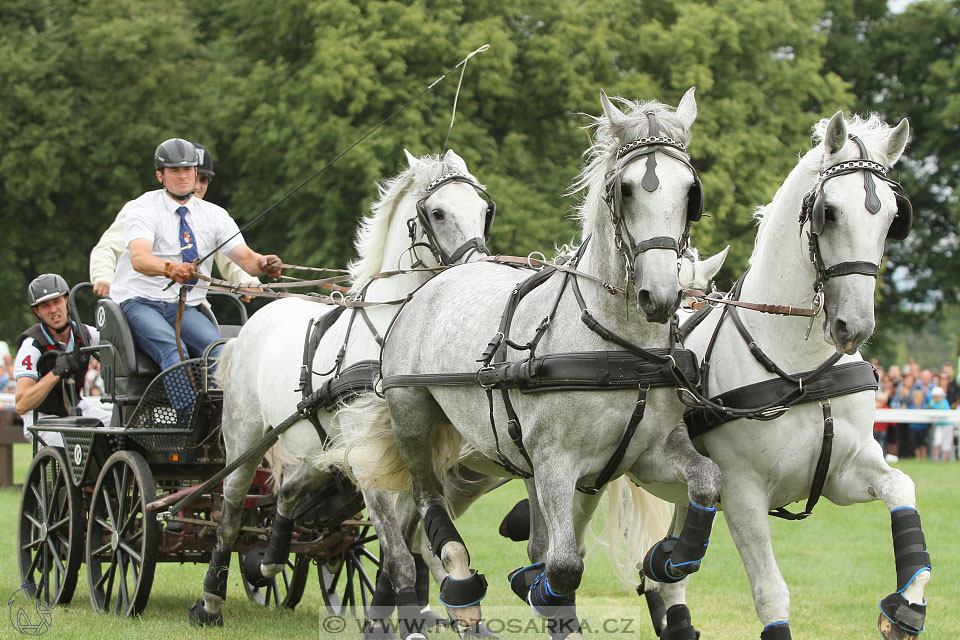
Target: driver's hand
[(101, 288), (65, 366), (182, 271), (270, 265)]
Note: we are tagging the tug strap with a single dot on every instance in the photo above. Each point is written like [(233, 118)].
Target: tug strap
[(571, 371)]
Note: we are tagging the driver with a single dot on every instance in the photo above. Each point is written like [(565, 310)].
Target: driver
[(40, 385), (166, 231)]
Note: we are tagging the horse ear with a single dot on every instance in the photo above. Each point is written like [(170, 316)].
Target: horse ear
[(712, 264), (897, 141), (687, 109), (412, 160), (612, 113), (455, 161), (836, 135)]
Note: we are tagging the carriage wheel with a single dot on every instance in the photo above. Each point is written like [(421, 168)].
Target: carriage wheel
[(285, 589), (50, 532), (348, 582), (122, 537)]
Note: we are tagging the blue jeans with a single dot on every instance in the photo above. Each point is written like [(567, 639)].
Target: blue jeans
[(152, 326)]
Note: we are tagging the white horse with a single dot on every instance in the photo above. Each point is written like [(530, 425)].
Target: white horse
[(847, 209), (641, 195), (431, 213)]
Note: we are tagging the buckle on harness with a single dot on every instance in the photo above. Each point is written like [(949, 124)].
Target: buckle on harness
[(484, 370)]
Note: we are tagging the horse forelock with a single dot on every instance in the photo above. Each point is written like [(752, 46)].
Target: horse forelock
[(872, 130), (600, 158), (372, 235)]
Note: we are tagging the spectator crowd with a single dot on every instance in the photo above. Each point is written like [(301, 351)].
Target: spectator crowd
[(910, 387)]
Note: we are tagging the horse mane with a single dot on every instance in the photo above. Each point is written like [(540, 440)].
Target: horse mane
[(371, 238), (872, 130), (601, 156)]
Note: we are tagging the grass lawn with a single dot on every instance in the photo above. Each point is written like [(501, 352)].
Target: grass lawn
[(838, 564)]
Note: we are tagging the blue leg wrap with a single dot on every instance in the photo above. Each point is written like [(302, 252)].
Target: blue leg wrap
[(673, 558), (776, 631), (545, 601)]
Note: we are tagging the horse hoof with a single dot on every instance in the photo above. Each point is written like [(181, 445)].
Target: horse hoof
[(890, 631), (200, 618)]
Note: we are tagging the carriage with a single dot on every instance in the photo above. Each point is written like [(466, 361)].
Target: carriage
[(104, 498)]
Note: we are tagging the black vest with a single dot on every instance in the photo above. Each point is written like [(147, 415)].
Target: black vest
[(54, 403)]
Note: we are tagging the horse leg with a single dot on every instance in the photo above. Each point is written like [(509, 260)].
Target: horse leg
[(297, 483), (206, 611), (396, 580), (674, 558), (555, 548), (745, 505), (868, 477), (419, 415)]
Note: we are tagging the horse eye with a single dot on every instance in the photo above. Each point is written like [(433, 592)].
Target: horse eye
[(626, 189), (438, 214), (830, 213)]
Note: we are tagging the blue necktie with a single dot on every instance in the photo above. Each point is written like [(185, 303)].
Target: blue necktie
[(188, 242)]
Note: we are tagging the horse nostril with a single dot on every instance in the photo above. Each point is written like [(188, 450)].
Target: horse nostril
[(645, 300)]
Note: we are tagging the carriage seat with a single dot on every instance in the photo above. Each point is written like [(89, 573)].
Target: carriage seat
[(126, 370)]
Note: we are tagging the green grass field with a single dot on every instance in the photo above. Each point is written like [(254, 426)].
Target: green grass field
[(838, 564)]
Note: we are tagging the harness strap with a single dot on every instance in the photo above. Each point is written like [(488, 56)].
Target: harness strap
[(846, 268), (819, 474), (770, 398), (621, 449)]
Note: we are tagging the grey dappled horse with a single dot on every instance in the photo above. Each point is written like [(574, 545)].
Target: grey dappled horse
[(431, 213), (641, 195)]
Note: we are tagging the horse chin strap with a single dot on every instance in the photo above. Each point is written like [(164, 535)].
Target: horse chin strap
[(646, 146)]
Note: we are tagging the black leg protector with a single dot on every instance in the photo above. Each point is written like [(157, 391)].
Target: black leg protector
[(522, 579), (910, 552), (215, 582), (655, 605), (516, 524), (909, 546), (408, 613), (548, 603), (457, 594), (383, 600), (672, 559), (279, 549), (679, 626), (440, 529), (776, 631), (251, 568)]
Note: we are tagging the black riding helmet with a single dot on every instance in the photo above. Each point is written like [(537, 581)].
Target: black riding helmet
[(176, 152), (206, 160), (46, 287)]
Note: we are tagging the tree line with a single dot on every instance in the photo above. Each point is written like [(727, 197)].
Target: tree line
[(276, 90)]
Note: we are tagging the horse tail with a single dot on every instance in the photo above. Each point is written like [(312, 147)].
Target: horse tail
[(278, 457), (636, 520), (367, 453), (223, 365)]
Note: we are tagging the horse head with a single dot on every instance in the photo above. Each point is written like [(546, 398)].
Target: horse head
[(846, 219), (653, 194), (433, 213)]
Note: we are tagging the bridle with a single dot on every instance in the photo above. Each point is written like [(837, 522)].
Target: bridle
[(648, 146), (813, 211), (472, 245)]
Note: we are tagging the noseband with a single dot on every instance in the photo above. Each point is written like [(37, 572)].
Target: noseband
[(813, 210), (648, 146), (432, 243)]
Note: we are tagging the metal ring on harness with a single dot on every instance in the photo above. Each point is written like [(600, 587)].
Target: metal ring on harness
[(530, 255), (334, 297)]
